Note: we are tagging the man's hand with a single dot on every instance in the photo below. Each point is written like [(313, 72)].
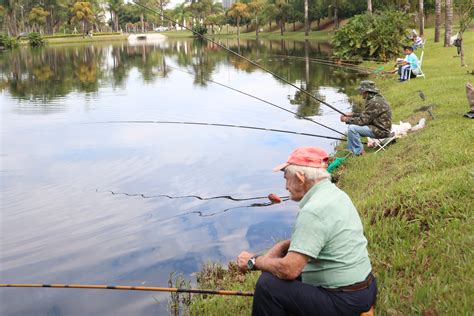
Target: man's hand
[(344, 118), (242, 260)]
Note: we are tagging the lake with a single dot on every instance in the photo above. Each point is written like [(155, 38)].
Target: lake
[(82, 187)]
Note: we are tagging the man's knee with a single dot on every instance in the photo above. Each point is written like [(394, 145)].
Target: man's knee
[(352, 129), (265, 282)]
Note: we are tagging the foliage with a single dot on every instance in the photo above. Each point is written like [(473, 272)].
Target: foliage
[(36, 40), (37, 17), (7, 42), (371, 36), (216, 276), (200, 29)]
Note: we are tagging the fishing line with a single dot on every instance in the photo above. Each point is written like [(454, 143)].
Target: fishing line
[(185, 196), (203, 214), (220, 125), (130, 288), (239, 55), (260, 99), (364, 70)]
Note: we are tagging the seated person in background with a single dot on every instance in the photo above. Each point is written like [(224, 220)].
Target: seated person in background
[(374, 121), (409, 65), (417, 41)]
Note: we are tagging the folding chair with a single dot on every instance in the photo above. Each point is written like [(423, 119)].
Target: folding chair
[(381, 143), (417, 71)]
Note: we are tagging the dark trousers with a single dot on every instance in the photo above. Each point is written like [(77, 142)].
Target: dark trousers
[(274, 297)]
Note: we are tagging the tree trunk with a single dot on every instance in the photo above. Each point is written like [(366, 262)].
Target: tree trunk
[(257, 26), (116, 22), (306, 18), (369, 7), (238, 27), (448, 28), (142, 21), (336, 22), (281, 27), (461, 53), (422, 16), (437, 20)]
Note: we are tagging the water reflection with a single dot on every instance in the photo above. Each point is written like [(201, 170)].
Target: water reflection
[(43, 76), (59, 221)]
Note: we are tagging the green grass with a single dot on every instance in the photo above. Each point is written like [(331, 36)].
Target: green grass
[(415, 198), (298, 35), (80, 39)]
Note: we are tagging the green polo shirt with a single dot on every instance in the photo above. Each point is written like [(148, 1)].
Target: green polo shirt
[(328, 229)]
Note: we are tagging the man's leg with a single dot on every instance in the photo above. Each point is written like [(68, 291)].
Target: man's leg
[(405, 72), (275, 297), (354, 133)]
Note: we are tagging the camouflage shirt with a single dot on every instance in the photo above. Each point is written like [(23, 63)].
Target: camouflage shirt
[(377, 115)]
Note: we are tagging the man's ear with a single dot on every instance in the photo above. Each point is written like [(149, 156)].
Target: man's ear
[(300, 176)]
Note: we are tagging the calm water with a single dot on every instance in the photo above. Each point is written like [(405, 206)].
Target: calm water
[(60, 223)]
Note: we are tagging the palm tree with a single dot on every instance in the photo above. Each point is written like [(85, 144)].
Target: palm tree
[(448, 27), (82, 13), (238, 11), (181, 14), (114, 6), (437, 19), (422, 16), (255, 9)]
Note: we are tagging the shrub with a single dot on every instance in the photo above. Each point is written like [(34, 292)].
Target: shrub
[(7, 42), (377, 36), (36, 40), (200, 29)]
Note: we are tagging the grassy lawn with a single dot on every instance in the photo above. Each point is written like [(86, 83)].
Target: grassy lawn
[(415, 199), (80, 39)]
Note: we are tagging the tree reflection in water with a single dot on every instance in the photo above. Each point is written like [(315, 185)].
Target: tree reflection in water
[(55, 71)]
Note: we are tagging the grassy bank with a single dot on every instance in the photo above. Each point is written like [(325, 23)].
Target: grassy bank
[(274, 35), (80, 39), (415, 199)]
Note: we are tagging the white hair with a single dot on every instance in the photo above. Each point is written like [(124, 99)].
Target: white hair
[(313, 175)]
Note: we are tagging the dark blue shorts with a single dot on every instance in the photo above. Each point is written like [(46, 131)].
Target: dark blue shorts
[(274, 297)]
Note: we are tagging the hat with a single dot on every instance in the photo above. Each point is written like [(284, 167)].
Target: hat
[(306, 156), (367, 85)]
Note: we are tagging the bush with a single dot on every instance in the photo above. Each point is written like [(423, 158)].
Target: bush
[(36, 40), (376, 36), (7, 42), (200, 29)]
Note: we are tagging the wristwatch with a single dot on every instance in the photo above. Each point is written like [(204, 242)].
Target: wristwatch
[(251, 262)]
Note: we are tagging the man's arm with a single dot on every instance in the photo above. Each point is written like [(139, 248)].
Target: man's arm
[(288, 267), (366, 117), (279, 250)]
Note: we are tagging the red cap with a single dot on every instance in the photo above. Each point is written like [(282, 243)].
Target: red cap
[(306, 156)]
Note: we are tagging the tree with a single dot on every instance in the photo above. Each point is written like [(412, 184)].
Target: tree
[(437, 20), (448, 24), (255, 9), (307, 23), (465, 11), (82, 13), (369, 6), (238, 11), (114, 7), (283, 10), (181, 14), (421, 14), (37, 18)]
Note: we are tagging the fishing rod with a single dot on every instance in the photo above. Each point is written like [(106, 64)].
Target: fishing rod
[(260, 99), (130, 288), (186, 196), (239, 55), (344, 65), (221, 125)]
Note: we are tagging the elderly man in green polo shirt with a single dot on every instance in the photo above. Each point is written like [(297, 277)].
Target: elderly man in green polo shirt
[(325, 268)]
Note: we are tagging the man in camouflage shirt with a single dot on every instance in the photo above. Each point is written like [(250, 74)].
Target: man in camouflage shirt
[(375, 121)]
